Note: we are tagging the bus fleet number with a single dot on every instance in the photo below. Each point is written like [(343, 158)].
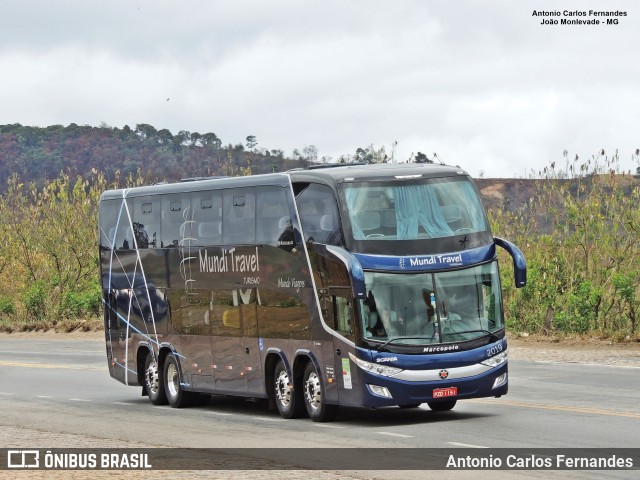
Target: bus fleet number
[(494, 350)]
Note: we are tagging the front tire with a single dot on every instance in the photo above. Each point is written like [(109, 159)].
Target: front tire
[(314, 400), (176, 396), (153, 381), (442, 406), (286, 395)]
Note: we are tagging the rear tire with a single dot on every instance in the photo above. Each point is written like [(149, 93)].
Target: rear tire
[(287, 397), (153, 381), (442, 406), (176, 396), (314, 399)]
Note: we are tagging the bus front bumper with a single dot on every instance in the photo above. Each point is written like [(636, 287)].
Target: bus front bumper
[(379, 391)]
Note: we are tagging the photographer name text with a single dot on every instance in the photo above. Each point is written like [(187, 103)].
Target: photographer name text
[(579, 17)]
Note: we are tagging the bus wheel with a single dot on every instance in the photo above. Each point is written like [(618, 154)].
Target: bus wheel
[(317, 409), (442, 406), (153, 383), (285, 394), (176, 396)]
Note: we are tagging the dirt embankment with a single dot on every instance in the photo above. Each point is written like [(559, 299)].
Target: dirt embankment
[(574, 350)]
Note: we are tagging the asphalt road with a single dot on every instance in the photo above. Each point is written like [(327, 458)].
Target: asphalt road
[(55, 391)]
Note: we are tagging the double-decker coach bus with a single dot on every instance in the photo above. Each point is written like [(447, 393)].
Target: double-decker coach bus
[(358, 285)]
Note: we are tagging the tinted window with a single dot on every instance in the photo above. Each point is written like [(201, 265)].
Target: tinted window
[(239, 217), (146, 222), (207, 218), (282, 315), (176, 216), (273, 221), (115, 226), (319, 215)]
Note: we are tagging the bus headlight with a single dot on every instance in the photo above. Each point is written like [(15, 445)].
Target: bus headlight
[(384, 370), (496, 360)]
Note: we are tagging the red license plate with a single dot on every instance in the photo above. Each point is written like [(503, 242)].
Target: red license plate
[(445, 392)]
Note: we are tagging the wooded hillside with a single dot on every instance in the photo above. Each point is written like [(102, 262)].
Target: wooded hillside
[(41, 154), (578, 228)]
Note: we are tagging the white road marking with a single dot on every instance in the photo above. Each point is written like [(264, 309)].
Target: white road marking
[(324, 425), (268, 419), (401, 435), (125, 403), (6, 393), (73, 353), (79, 400), (44, 396), (220, 413), (465, 445)]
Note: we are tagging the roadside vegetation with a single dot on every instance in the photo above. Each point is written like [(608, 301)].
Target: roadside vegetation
[(580, 234)]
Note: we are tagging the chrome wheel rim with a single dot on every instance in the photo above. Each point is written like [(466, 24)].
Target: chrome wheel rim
[(283, 388), (173, 382), (153, 380), (312, 391)]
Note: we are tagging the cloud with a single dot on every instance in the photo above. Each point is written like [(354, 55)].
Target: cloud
[(480, 83)]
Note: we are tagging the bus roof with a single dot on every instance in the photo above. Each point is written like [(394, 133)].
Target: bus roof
[(215, 183), (330, 174), (381, 171)]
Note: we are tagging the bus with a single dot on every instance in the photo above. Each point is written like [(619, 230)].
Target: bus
[(351, 285)]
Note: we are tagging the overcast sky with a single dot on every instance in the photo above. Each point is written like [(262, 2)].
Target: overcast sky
[(480, 83)]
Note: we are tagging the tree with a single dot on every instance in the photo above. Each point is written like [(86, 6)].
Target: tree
[(211, 139), (422, 158), (310, 152), (183, 137), (251, 142), (165, 137), (371, 155), (146, 131)]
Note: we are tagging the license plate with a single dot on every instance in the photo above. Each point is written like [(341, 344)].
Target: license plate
[(445, 392)]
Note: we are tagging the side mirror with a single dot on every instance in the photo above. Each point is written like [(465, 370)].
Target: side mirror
[(519, 262)]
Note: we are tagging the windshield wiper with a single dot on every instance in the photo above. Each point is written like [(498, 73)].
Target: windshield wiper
[(391, 340), (481, 330)]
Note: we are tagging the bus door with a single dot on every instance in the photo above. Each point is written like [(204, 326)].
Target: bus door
[(252, 363), (228, 350), (338, 310), (193, 321)]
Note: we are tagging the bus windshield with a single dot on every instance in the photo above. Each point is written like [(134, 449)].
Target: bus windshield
[(432, 308), (414, 209)]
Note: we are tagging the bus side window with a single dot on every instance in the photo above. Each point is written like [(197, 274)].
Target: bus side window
[(239, 220), (146, 221), (319, 215), (112, 215), (225, 313), (273, 220), (207, 218), (343, 315), (176, 216)]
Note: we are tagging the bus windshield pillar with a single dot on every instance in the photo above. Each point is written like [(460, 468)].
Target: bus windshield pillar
[(352, 264)]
